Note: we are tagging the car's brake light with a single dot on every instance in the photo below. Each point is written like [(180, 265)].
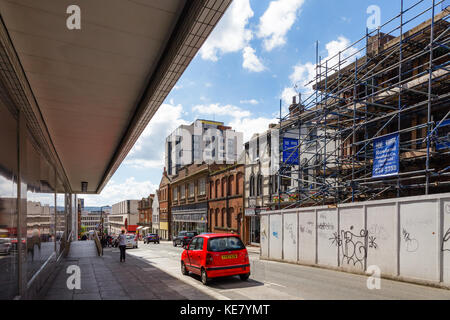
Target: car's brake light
[(185, 237), (209, 259), (246, 256)]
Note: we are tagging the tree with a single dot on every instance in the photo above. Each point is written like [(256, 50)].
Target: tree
[(83, 230)]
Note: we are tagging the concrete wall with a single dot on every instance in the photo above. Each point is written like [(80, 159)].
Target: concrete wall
[(407, 238)]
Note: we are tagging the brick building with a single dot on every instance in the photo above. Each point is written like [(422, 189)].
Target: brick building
[(189, 197), (164, 198), (226, 201), (145, 214)]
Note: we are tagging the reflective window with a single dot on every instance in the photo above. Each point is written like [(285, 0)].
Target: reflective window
[(61, 210), (40, 181), (225, 244), (191, 189), (199, 244), (254, 229), (8, 205), (182, 191)]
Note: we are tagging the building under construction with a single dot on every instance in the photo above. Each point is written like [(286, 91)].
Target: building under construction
[(377, 124)]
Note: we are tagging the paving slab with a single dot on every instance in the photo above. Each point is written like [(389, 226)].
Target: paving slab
[(106, 278)]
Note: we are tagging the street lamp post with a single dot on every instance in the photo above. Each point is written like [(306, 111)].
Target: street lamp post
[(101, 228)]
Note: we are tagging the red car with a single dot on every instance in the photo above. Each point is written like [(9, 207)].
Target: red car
[(216, 255)]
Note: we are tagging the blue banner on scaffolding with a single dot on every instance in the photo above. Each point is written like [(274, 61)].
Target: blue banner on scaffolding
[(290, 153), (386, 156), (443, 136)]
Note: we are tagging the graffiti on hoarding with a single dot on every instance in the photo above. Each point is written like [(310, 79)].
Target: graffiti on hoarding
[(353, 246), (354, 249), (325, 226), (446, 241), (372, 243), (308, 228), (411, 243), (290, 232)]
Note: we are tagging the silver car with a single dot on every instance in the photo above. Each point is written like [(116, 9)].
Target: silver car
[(131, 241), (5, 245)]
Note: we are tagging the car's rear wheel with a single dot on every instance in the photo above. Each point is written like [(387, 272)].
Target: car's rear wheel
[(174, 244), (205, 279), (244, 277), (184, 271)]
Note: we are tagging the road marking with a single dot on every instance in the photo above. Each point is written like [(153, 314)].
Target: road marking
[(275, 284)]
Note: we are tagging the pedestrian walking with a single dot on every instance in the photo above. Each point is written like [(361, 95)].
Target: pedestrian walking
[(122, 245)]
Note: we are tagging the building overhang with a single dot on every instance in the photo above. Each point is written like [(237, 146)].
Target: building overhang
[(88, 94)]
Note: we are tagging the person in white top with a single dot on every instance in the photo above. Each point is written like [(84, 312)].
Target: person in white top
[(122, 245)]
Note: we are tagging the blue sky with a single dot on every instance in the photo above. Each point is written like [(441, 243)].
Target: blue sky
[(256, 54)]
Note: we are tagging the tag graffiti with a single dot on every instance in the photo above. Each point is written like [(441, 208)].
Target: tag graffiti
[(446, 241), (74, 280)]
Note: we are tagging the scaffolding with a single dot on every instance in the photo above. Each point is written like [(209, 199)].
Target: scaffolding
[(389, 82)]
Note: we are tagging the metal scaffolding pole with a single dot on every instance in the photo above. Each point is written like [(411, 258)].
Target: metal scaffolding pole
[(397, 83)]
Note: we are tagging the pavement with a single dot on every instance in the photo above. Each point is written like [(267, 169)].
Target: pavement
[(152, 271), (106, 278)]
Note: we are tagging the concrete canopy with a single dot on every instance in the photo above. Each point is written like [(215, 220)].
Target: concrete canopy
[(95, 89)]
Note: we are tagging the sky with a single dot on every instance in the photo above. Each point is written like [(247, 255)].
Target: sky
[(261, 51)]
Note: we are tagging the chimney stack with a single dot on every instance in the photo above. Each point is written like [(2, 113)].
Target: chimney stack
[(295, 108)]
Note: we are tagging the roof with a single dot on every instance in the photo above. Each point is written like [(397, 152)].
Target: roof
[(88, 94), (217, 235)]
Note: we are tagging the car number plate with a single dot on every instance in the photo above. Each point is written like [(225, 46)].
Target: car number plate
[(229, 256)]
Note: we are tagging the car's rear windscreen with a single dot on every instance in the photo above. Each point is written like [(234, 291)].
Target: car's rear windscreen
[(225, 244)]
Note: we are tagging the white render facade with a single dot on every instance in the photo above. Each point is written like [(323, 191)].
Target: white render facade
[(202, 141), (124, 212), (155, 214)]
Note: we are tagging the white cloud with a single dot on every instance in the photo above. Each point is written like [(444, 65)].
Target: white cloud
[(144, 163), (303, 73), (250, 126), (251, 101), (231, 34), (243, 120), (217, 109), (276, 21), (287, 95), (251, 61), (147, 153), (149, 148), (7, 188), (336, 46), (115, 192)]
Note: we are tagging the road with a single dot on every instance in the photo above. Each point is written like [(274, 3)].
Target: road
[(276, 280)]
